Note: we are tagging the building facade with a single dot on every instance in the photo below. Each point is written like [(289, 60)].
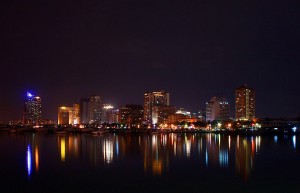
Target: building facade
[(84, 111), (65, 115), (32, 110), (131, 115), (244, 103), (217, 108), (76, 114), (152, 99), (68, 115), (95, 109), (160, 114), (107, 109)]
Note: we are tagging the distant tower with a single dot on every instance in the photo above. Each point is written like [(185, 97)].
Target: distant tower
[(84, 111), (217, 108), (32, 109), (244, 103), (152, 99), (95, 109)]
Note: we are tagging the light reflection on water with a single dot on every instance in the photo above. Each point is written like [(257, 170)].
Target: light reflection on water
[(157, 151), (28, 160)]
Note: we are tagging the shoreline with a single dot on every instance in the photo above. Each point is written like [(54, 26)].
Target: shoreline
[(262, 131)]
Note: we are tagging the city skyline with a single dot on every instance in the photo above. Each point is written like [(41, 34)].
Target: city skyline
[(195, 50), (231, 106)]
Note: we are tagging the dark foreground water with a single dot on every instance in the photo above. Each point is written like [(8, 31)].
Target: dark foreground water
[(41, 162)]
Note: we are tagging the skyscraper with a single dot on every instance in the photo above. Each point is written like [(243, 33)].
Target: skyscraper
[(95, 109), (244, 103), (152, 99), (32, 109), (76, 116), (84, 111), (217, 108)]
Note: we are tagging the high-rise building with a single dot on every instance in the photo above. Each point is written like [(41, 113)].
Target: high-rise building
[(160, 114), (244, 103), (95, 109), (76, 114), (152, 99), (217, 108), (131, 114), (84, 111), (32, 109)]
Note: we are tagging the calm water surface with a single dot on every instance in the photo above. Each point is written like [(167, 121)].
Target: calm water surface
[(42, 162)]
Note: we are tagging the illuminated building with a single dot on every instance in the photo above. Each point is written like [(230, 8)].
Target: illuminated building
[(84, 111), (95, 109), (75, 115), (64, 115), (217, 109), (244, 103), (68, 115), (106, 110), (152, 99), (178, 118), (32, 109), (160, 113), (130, 114), (182, 111)]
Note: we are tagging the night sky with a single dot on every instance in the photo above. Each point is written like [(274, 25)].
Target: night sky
[(66, 50)]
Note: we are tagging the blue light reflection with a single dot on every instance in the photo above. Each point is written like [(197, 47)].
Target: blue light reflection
[(29, 160)]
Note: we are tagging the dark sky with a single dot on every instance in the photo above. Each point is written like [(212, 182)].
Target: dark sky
[(66, 50)]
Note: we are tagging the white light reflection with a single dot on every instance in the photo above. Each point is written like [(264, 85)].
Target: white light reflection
[(154, 140), (275, 138), (257, 143), (294, 141), (29, 163), (188, 147), (164, 141), (229, 141), (175, 148), (108, 151)]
